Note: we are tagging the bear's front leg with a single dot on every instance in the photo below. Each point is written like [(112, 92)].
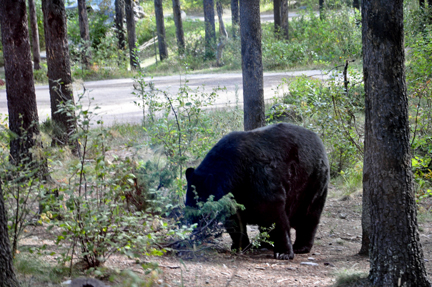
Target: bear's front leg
[(236, 227)]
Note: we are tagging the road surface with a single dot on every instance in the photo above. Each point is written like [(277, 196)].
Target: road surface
[(116, 101)]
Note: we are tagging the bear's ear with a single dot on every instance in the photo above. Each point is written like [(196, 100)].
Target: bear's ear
[(189, 173)]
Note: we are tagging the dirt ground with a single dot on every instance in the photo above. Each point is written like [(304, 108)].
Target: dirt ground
[(336, 245)]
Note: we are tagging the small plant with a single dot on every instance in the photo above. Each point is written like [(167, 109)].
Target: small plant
[(351, 278), (177, 122), (208, 215), (334, 110), (263, 237), (22, 183), (97, 220)]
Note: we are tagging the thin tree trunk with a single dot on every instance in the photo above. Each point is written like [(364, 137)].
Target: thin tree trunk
[(160, 27), (179, 26), (356, 4), (130, 21), (223, 35), (7, 274), (120, 16), (235, 19), (210, 29), (321, 8), (252, 68), (277, 15), (34, 35), (284, 19), (59, 72), (20, 91), (396, 257), (84, 32)]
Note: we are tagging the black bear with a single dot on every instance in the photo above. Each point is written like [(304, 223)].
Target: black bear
[(280, 173)]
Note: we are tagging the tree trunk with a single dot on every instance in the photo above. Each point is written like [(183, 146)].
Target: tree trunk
[(252, 68), (277, 15), (84, 32), (7, 274), (235, 19), (21, 96), (34, 35), (179, 26), (130, 23), (321, 8), (396, 257), (21, 100), (160, 27), (210, 30), (223, 35), (356, 4), (59, 72), (284, 18), (119, 10), (366, 224)]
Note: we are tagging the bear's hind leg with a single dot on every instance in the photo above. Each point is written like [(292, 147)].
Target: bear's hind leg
[(305, 235), (307, 225), (283, 248)]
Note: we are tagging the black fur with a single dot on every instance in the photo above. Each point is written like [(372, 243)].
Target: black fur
[(279, 173)]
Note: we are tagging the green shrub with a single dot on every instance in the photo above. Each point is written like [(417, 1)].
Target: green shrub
[(418, 34), (95, 203), (177, 122), (314, 40), (334, 113)]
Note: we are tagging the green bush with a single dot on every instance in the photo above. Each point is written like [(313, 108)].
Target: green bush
[(96, 200), (334, 113), (145, 29), (313, 40), (418, 33), (177, 122)]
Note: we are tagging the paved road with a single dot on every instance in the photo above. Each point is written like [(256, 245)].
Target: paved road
[(115, 98)]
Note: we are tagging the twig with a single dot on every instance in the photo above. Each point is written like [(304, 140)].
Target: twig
[(178, 127)]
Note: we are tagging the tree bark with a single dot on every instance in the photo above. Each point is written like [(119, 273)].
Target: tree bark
[(179, 26), (396, 257), (210, 29), (21, 96), (284, 18), (84, 32), (223, 35), (59, 72), (34, 35), (130, 23), (277, 15), (160, 27), (252, 68), (120, 15), (366, 224), (321, 8), (235, 18), (22, 110), (7, 274), (356, 4)]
